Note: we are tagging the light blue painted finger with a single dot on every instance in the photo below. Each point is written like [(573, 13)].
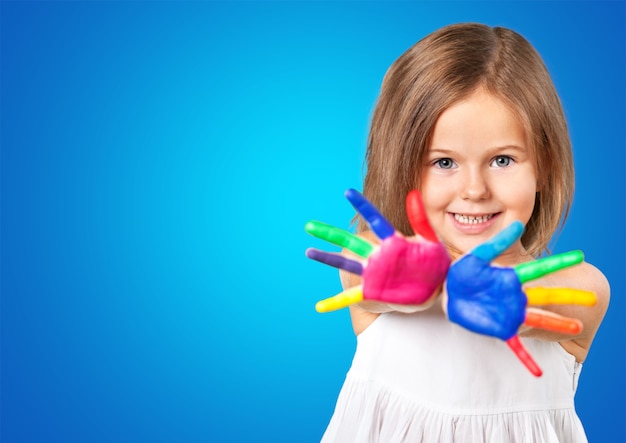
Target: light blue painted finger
[(500, 242)]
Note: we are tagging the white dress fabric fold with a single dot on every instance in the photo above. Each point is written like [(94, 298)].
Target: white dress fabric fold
[(419, 378)]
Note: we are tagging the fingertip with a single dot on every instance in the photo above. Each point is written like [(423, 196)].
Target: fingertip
[(415, 194), (589, 300), (499, 243), (575, 327), (324, 306), (517, 228), (309, 226), (354, 197), (351, 193), (577, 256)]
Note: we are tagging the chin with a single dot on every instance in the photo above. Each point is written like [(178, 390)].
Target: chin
[(459, 248)]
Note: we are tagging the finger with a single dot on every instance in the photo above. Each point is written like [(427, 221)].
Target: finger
[(538, 268), (341, 300), (339, 237), (518, 348), (379, 224), (417, 216), (502, 241), (560, 296), (335, 260), (553, 323)]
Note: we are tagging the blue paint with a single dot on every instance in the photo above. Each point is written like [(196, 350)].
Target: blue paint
[(484, 299), (500, 242), (379, 224)]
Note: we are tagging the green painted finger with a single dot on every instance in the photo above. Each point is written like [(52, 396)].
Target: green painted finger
[(538, 268), (339, 237)]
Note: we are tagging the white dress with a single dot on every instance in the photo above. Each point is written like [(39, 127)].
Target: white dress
[(420, 378)]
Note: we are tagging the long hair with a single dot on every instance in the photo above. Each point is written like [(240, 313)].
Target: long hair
[(442, 69)]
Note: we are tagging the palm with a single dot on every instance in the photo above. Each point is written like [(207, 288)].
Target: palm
[(404, 271), (489, 300)]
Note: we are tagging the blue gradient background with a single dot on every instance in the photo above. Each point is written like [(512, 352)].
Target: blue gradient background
[(159, 161)]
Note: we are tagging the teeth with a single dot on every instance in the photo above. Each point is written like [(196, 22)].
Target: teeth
[(471, 220)]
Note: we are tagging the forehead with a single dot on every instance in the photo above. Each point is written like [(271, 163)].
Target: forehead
[(482, 120)]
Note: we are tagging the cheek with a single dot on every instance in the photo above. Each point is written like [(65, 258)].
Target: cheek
[(530, 206), (435, 197), (523, 199)]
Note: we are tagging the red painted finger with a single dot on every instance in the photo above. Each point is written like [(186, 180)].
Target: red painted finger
[(552, 323), (417, 216), (518, 348)]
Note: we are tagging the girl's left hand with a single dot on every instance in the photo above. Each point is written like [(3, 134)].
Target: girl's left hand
[(490, 300)]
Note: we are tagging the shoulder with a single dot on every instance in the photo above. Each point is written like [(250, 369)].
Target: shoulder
[(583, 276), (595, 281), (586, 276)]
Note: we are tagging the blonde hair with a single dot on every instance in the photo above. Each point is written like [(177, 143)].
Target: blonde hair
[(438, 71)]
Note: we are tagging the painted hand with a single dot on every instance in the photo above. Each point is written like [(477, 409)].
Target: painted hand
[(400, 270), (490, 300)]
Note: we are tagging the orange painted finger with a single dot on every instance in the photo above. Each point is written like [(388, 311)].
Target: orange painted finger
[(554, 323)]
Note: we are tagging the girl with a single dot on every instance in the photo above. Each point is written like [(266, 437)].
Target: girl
[(470, 117)]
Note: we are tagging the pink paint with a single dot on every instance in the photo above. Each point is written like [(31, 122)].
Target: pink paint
[(405, 271)]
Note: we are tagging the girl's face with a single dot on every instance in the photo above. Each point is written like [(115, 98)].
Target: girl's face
[(479, 175)]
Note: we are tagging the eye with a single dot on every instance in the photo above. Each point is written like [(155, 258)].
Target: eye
[(501, 161), (444, 163)]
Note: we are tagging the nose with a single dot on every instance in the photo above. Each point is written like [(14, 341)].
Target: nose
[(475, 186)]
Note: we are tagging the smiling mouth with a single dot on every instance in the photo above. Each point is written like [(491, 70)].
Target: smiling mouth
[(473, 219)]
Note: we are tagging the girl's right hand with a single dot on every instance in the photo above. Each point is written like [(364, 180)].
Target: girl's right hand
[(400, 270)]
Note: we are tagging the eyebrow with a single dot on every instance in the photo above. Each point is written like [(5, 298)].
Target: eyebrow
[(490, 150)]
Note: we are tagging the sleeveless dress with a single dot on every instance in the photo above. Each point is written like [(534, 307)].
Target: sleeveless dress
[(420, 378)]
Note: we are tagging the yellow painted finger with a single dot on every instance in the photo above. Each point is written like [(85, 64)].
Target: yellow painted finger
[(560, 296), (341, 300)]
